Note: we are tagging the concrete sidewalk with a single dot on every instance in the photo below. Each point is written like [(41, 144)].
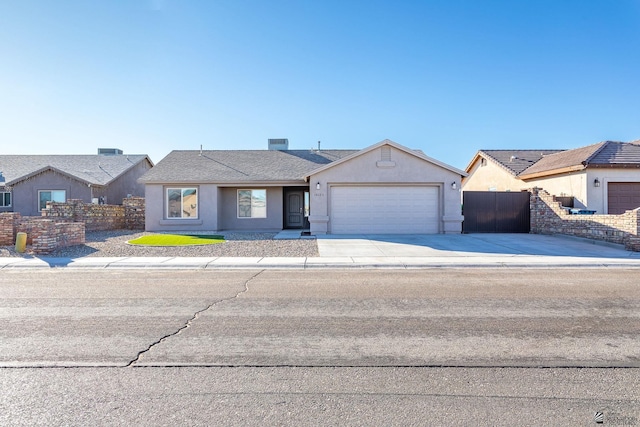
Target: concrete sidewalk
[(387, 251)]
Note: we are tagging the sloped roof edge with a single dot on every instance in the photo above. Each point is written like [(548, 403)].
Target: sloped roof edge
[(44, 169), (400, 147)]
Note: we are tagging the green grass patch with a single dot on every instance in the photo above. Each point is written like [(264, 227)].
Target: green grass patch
[(177, 240)]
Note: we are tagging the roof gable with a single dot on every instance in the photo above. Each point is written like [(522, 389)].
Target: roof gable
[(89, 169), (417, 153)]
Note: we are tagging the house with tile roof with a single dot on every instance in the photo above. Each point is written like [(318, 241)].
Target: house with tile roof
[(27, 182), (384, 188), (603, 177)]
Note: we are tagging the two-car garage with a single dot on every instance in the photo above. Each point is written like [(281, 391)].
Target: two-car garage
[(384, 209), (385, 189)]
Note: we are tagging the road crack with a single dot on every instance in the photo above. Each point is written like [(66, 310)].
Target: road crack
[(191, 320)]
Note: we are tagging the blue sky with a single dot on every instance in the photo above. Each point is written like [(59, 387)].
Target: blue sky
[(448, 77)]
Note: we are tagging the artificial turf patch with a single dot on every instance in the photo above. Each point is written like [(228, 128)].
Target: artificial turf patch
[(177, 240)]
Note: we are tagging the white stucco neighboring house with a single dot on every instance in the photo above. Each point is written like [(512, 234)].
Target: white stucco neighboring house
[(603, 177), (384, 189)]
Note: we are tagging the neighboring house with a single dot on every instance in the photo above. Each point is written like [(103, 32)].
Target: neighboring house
[(385, 188), (27, 182), (498, 170), (604, 177)]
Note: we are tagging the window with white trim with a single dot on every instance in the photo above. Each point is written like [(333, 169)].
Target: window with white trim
[(45, 196), (5, 199), (182, 202), (252, 203)]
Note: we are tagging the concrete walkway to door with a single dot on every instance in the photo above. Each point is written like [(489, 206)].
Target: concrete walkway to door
[(467, 245)]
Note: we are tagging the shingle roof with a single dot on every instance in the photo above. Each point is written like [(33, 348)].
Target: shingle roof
[(516, 161), (603, 154), (93, 169), (237, 166), (563, 160), (616, 154)]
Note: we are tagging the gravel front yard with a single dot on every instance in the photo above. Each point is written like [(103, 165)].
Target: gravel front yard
[(237, 244)]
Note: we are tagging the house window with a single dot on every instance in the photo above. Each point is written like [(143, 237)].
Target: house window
[(45, 196), (5, 199), (252, 203), (182, 202)]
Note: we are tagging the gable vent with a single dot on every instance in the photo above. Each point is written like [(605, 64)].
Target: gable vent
[(385, 158), (279, 144), (385, 154)]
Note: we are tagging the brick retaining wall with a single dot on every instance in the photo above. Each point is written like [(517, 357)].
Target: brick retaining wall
[(548, 217)]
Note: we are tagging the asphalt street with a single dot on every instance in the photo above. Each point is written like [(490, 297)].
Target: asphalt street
[(319, 347)]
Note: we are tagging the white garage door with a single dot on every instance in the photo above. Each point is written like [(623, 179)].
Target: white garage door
[(384, 210)]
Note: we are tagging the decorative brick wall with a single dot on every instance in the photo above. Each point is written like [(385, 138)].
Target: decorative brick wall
[(129, 215), (65, 224), (134, 213), (95, 217), (548, 217), (46, 235), (8, 223)]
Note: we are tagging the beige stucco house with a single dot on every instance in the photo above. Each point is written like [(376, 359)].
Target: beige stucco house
[(603, 177), (383, 189)]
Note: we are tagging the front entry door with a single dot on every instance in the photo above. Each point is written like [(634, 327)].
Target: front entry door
[(294, 209)]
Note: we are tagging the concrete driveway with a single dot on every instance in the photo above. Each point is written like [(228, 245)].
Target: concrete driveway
[(467, 245)]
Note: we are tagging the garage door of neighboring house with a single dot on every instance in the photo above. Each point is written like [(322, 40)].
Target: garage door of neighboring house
[(384, 210), (622, 196), (496, 212)]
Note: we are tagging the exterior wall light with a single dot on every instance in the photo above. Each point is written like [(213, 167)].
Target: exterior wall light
[(596, 182), (318, 186), (454, 185)]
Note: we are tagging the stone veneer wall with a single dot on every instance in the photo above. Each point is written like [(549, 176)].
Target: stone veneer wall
[(548, 217)]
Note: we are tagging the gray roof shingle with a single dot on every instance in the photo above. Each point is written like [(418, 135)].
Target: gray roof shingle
[(93, 169), (517, 161), (237, 166)]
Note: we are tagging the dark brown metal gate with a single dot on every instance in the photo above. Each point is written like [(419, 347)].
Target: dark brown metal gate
[(496, 212)]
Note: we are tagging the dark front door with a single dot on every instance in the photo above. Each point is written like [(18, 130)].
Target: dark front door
[(294, 209)]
